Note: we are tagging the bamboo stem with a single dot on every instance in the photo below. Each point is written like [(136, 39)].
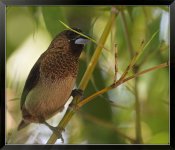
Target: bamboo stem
[(97, 53), (138, 128)]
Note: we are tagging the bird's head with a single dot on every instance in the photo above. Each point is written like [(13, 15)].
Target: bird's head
[(76, 41), (69, 41), (75, 38)]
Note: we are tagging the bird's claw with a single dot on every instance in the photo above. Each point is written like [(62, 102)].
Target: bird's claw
[(77, 92), (58, 132)]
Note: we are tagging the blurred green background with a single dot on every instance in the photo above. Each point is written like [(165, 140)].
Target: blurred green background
[(29, 30)]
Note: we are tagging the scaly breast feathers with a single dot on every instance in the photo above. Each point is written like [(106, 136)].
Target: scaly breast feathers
[(57, 65)]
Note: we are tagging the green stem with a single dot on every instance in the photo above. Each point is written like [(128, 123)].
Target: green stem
[(87, 75), (128, 40), (97, 52), (138, 115)]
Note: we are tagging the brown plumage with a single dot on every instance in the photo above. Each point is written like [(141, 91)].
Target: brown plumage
[(52, 78)]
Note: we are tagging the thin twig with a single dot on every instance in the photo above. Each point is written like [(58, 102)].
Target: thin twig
[(147, 70), (136, 56), (131, 64), (91, 39), (116, 62), (106, 89)]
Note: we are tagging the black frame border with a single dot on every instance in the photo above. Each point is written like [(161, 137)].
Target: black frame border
[(80, 2), (5, 3)]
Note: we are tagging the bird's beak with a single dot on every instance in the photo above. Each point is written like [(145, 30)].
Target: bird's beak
[(81, 40)]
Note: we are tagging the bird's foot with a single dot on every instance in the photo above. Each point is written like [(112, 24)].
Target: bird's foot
[(77, 92), (56, 130)]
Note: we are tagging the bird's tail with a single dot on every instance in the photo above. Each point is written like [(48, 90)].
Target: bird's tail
[(22, 125)]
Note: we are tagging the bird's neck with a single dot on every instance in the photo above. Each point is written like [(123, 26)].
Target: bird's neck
[(76, 50)]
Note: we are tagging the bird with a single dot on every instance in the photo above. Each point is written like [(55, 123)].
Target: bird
[(50, 82)]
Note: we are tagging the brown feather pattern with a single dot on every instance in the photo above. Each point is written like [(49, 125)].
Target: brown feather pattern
[(51, 80)]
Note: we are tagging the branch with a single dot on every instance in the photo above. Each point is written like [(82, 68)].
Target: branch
[(136, 56), (116, 62), (88, 99)]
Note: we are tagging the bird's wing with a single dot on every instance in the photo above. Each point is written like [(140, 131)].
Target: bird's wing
[(31, 81)]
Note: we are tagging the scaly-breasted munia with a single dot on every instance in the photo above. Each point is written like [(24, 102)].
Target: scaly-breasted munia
[(52, 78)]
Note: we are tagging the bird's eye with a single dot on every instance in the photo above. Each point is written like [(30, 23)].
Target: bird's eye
[(71, 34)]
